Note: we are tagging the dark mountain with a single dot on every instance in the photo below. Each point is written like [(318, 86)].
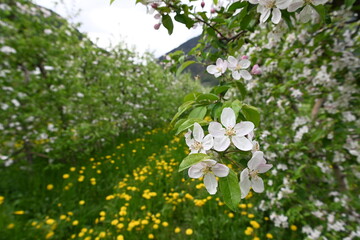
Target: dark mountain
[(197, 70)]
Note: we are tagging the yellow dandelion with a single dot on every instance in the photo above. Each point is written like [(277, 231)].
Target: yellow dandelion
[(50, 187), (177, 230), (293, 227), (50, 221), (19, 212), (120, 237), (151, 236), (66, 176), (75, 223), (189, 231), (81, 202), (49, 235), (269, 236)]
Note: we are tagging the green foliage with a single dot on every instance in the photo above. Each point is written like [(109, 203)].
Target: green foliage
[(62, 96)]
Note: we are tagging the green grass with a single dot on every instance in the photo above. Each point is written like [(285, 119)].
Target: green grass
[(130, 191)]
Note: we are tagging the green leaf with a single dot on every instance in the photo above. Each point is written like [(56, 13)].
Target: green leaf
[(189, 123), (207, 97), (191, 96), (216, 111), (179, 122), (230, 189), (251, 113), (111, 1), (198, 112), (241, 87), (220, 89), (168, 23), (183, 66), (236, 5), (191, 160), (185, 106), (321, 11), (184, 19), (349, 3)]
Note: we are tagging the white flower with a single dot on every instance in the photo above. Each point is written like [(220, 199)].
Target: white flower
[(256, 145), (198, 144), (210, 169), (265, 7), (238, 66), (307, 12), (257, 164), (232, 132), (218, 69)]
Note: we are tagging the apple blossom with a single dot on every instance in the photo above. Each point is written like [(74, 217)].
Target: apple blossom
[(257, 164), (198, 144), (266, 7), (218, 69), (256, 70), (228, 131), (210, 169), (238, 66), (308, 11)]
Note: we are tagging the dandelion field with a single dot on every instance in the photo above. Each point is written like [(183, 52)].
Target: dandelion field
[(125, 194)]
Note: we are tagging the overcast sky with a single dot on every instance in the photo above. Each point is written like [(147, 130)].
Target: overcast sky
[(122, 21)]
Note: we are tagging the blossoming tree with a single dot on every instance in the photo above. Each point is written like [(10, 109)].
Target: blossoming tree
[(287, 74)]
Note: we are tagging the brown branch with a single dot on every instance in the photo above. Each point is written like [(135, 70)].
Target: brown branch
[(319, 102)]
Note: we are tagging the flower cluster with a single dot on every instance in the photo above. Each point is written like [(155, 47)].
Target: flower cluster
[(238, 67), (273, 7), (220, 137)]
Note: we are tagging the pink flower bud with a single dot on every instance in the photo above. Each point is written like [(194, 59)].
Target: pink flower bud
[(213, 10), (202, 4), (154, 5), (256, 70), (157, 16), (244, 57), (157, 26)]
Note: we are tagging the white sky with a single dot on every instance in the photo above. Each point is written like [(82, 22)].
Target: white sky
[(122, 21)]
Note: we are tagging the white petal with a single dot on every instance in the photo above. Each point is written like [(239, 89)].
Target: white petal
[(242, 143), (220, 170), (245, 74), (257, 184), (318, 2), (244, 63), (305, 14), (208, 142), (198, 132), (211, 69), (256, 160), (189, 142), (265, 14), (221, 144), (219, 62), (210, 183), (243, 128), (264, 167), (216, 129), (193, 150), (209, 162), (276, 16), (196, 171), (244, 183), (236, 75), (282, 4), (295, 5), (232, 62), (228, 118)]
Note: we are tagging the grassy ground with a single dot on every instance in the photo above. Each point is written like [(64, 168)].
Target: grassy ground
[(133, 191)]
